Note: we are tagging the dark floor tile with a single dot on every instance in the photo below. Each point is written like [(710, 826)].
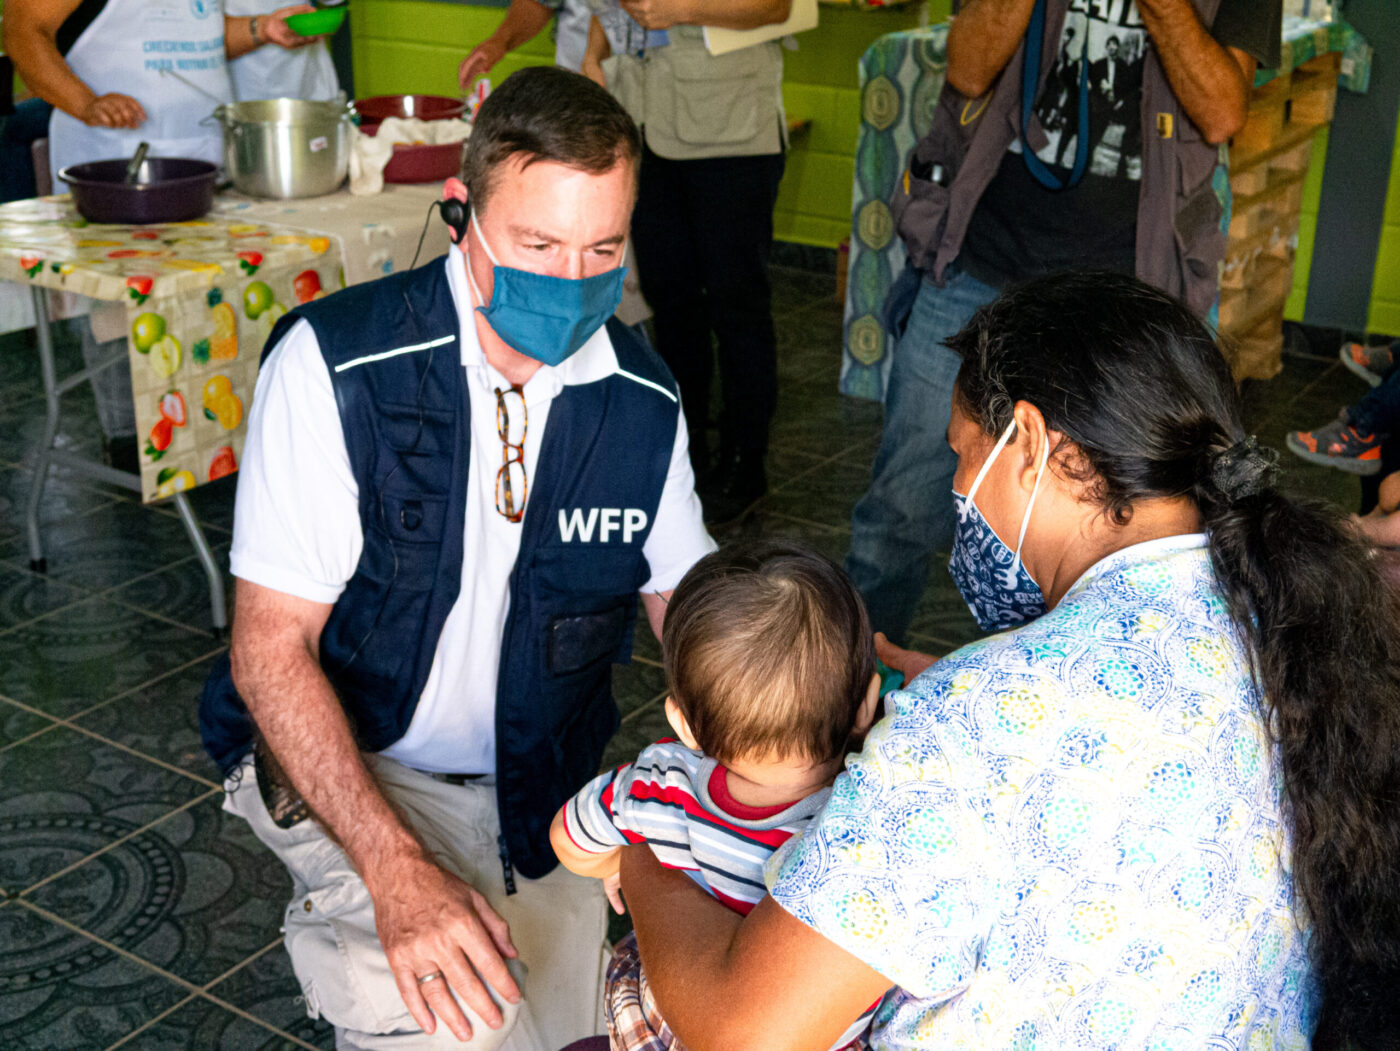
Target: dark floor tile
[(211, 502), (103, 550), (202, 1025), (195, 894), (767, 525), (826, 495), (25, 596), (64, 498), (267, 989), (823, 424), (636, 683), (794, 288), (59, 989), (64, 795), (78, 429), (809, 347), (180, 592), (814, 258), (89, 652), (17, 723), (20, 375), (645, 726), (160, 720)]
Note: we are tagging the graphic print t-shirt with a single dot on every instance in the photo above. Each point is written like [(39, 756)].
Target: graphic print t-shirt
[(1020, 229)]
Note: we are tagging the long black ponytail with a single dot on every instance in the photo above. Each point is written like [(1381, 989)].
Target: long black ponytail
[(1140, 389)]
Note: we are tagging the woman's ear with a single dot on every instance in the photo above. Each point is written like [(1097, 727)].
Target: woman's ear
[(1033, 443), (678, 723), (865, 714)]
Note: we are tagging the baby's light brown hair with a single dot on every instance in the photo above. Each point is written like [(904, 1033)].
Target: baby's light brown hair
[(768, 653)]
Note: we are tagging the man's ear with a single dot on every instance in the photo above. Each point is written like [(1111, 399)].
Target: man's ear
[(454, 189), (678, 723), (865, 714)]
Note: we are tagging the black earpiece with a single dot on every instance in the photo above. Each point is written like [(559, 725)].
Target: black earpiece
[(454, 214)]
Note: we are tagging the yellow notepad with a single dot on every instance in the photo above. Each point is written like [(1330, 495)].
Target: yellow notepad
[(801, 18)]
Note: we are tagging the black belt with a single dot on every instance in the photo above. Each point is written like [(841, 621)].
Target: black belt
[(456, 779)]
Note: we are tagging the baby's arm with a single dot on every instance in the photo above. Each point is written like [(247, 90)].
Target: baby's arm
[(597, 50), (602, 866)]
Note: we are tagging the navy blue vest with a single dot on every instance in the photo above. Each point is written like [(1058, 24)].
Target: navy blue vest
[(392, 350)]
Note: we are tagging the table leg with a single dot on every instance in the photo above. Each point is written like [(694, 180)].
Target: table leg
[(206, 558), (45, 447)]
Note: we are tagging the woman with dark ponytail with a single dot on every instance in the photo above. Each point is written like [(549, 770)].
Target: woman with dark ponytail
[(1161, 812)]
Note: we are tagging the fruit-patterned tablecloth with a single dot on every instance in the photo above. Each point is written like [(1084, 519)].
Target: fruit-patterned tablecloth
[(200, 299)]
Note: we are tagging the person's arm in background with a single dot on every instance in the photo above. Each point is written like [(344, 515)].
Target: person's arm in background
[(245, 34), (31, 40), (523, 22), (1211, 82), (783, 986), (723, 14), (598, 49), (981, 40)]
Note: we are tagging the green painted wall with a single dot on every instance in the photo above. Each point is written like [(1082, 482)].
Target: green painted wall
[(1385, 287), (415, 46)]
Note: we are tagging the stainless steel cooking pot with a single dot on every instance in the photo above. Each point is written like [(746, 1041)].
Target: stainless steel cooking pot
[(286, 147)]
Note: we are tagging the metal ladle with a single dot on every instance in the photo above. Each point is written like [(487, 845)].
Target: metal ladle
[(166, 71), (133, 166)]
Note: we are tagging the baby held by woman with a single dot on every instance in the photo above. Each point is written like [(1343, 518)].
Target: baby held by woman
[(771, 673)]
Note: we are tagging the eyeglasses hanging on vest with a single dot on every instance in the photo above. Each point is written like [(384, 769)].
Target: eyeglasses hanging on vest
[(510, 479)]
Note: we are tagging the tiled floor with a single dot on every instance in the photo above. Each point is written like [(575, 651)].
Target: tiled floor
[(133, 911)]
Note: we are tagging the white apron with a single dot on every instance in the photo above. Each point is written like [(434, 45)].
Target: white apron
[(123, 50), (272, 72)]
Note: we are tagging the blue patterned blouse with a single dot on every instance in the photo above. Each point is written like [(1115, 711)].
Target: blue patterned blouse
[(1070, 835)]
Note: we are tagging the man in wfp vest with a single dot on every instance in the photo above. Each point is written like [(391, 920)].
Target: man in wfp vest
[(456, 481)]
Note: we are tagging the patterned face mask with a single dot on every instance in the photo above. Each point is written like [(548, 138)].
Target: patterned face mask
[(993, 581)]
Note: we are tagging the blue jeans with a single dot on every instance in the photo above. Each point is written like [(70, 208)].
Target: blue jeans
[(907, 513)]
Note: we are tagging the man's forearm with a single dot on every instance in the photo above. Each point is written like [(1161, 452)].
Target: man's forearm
[(739, 14), (301, 719), (1207, 80), (982, 39)]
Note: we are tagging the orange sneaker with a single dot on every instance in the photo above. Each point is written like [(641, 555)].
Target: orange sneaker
[(1371, 363), (1339, 445)]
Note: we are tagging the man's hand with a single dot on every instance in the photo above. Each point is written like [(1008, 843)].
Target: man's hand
[(114, 111), (430, 922), (911, 662), (273, 28), (479, 62), (659, 14)]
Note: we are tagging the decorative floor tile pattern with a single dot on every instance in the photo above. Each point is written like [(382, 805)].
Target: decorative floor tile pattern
[(133, 911)]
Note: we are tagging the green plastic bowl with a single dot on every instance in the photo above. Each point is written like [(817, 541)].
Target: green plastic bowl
[(316, 23)]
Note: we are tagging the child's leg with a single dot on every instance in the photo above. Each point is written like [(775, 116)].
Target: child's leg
[(634, 1023)]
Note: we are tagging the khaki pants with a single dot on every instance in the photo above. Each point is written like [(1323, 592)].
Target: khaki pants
[(558, 923)]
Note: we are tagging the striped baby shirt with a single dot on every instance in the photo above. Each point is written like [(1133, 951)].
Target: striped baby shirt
[(677, 801)]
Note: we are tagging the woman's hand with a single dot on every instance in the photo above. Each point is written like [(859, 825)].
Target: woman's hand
[(911, 662), (113, 111), (273, 28)]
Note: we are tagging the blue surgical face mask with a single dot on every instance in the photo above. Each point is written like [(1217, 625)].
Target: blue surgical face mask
[(543, 317), (992, 579)]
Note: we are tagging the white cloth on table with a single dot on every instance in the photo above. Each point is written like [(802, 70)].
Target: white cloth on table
[(297, 521), (369, 154)]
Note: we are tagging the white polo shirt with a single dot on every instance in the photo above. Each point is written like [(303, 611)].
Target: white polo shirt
[(297, 521)]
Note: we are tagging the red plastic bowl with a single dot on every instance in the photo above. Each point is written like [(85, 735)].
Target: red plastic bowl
[(426, 163), (377, 108)]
